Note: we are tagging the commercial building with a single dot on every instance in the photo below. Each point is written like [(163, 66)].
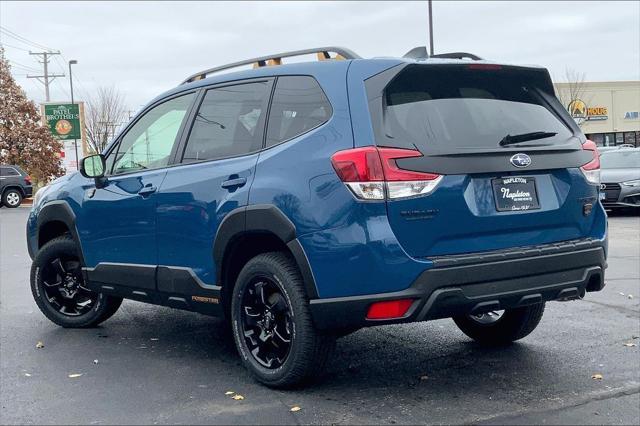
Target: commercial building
[(608, 112)]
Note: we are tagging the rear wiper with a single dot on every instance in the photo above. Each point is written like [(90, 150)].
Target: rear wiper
[(523, 137)]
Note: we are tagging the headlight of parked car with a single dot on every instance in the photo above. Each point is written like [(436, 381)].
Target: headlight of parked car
[(632, 183)]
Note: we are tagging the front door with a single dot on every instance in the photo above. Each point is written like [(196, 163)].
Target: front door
[(118, 223)]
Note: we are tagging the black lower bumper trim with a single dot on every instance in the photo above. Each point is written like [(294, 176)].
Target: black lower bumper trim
[(475, 288)]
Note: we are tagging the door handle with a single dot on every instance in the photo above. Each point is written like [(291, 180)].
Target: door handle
[(234, 183), (147, 190)]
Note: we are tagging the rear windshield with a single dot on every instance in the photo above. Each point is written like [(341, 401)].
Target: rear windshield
[(440, 108), (620, 159)]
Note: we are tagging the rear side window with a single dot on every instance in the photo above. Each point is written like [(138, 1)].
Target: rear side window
[(299, 105), (229, 122), (8, 171), (445, 109)]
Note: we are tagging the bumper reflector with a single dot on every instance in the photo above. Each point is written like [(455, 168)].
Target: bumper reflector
[(389, 309)]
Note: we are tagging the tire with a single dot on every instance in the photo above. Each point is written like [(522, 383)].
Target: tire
[(308, 350), (50, 299), (514, 324), (11, 198)]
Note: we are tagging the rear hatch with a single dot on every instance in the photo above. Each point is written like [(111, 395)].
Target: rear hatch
[(508, 154)]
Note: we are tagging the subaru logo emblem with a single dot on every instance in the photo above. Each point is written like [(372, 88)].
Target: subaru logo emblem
[(520, 160)]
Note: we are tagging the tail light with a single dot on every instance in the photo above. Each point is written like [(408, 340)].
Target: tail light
[(591, 170), (27, 179), (372, 173), (389, 309)]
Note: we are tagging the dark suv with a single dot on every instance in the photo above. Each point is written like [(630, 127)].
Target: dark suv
[(15, 185), (305, 201)]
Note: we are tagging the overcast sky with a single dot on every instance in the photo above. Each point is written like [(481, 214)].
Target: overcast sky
[(144, 48)]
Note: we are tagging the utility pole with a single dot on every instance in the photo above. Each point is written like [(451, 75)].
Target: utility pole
[(75, 141), (46, 78), (431, 52)]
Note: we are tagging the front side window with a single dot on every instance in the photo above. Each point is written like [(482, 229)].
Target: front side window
[(299, 105), (148, 144), (229, 122)]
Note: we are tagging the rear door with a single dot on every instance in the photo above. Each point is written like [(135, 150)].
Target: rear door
[(508, 155), (218, 163)]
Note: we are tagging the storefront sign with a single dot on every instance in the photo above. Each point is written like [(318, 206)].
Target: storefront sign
[(581, 112), (632, 115), (63, 120), (66, 123)]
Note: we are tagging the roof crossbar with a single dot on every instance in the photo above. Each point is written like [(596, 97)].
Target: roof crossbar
[(323, 53)]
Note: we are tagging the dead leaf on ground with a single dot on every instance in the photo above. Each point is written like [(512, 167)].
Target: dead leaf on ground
[(296, 408), (229, 392), (597, 377), (629, 344), (27, 375), (75, 375), (621, 293), (95, 361), (630, 296), (39, 345), (425, 377), (237, 397)]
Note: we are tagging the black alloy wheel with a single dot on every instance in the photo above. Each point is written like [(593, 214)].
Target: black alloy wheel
[(64, 289), (497, 328), (59, 289), (272, 325), (266, 322), (487, 318)]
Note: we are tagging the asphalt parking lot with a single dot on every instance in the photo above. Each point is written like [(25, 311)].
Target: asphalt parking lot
[(153, 365)]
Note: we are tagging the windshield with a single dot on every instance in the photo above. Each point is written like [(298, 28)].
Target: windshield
[(627, 159), (453, 108)]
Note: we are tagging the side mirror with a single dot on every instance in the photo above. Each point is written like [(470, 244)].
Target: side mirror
[(92, 166)]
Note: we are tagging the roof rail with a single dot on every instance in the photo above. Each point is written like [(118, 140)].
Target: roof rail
[(457, 55), (323, 54)]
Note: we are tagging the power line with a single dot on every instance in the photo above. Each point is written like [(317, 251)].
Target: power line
[(76, 76), (62, 88), (46, 77), (3, 44), (22, 39), (82, 88), (38, 88), (26, 67)]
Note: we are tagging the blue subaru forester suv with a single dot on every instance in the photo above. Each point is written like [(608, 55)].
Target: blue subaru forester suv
[(305, 201)]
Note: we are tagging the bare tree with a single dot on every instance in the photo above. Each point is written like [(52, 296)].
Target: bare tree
[(105, 112), (572, 87)]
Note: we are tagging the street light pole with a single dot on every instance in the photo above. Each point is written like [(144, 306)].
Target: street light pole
[(75, 141), (431, 52)]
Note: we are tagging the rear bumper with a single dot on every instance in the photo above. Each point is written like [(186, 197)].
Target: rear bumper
[(28, 191), (481, 282)]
